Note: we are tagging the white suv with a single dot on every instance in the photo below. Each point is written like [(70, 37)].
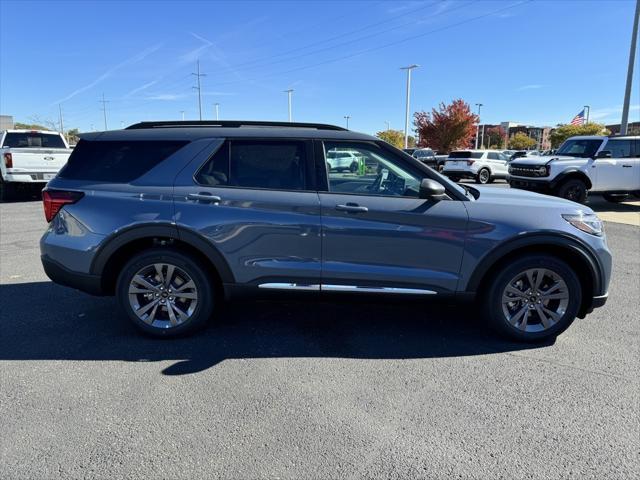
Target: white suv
[(607, 165), (483, 166)]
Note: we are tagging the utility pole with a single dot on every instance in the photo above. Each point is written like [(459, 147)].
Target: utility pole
[(347, 117), (479, 105), (217, 105), (198, 75), (182, 112), (388, 124), (104, 110), (61, 120), (406, 118), (587, 109), (624, 124), (289, 92)]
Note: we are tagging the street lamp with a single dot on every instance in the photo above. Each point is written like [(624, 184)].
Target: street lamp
[(587, 109), (479, 105), (406, 118), (217, 105), (289, 92), (388, 123), (347, 117)]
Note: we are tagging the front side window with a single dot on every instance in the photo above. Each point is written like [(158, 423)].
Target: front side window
[(619, 148), (275, 165), (372, 171)]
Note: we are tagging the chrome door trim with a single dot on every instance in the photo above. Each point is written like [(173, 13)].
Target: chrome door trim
[(290, 286), (361, 289)]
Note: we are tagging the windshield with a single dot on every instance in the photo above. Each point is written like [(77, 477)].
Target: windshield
[(579, 148), (33, 140)]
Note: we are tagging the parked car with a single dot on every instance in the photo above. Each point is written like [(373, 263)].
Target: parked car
[(426, 156), (342, 161), (607, 165), (484, 166), (175, 217), (30, 158), (409, 150)]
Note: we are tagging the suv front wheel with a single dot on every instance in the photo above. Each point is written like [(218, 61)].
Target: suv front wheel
[(574, 190), (533, 298), (165, 293)]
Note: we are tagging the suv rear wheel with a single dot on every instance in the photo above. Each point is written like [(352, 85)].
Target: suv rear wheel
[(574, 190), (165, 293), (483, 176), (533, 298)]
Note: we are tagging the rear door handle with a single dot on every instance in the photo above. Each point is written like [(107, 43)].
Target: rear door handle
[(206, 197), (352, 208), (627, 166)]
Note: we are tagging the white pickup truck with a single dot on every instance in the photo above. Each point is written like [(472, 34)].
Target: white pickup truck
[(606, 165), (30, 158)]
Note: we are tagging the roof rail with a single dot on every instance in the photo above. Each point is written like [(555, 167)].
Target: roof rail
[(229, 124)]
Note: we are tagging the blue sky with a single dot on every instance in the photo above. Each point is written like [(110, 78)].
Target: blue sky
[(534, 62)]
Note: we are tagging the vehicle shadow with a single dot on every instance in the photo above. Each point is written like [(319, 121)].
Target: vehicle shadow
[(43, 321), (599, 204)]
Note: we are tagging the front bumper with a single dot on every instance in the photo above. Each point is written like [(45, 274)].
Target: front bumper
[(531, 184), (84, 282)]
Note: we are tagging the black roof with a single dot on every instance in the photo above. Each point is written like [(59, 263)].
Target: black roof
[(230, 124)]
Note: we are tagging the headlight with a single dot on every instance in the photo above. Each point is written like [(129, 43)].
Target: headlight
[(587, 222)]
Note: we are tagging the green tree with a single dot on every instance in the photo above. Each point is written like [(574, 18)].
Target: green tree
[(29, 126), (560, 134), (521, 141), (394, 137), (73, 136)]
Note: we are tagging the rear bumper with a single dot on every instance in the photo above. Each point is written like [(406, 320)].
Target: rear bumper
[(84, 282), (459, 173), (29, 177)]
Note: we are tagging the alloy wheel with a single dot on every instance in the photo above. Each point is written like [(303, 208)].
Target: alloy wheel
[(535, 300), (483, 176), (163, 295)]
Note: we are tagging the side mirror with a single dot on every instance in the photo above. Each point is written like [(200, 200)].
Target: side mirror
[(431, 189), (604, 154)]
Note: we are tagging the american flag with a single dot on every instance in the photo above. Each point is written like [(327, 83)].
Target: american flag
[(578, 119)]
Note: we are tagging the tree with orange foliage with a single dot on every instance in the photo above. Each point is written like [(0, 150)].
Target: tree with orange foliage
[(450, 127)]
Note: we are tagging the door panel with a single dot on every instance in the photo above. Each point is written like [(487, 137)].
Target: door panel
[(266, 236), (377, 233)]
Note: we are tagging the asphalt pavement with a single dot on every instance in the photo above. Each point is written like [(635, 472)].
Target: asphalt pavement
[(300, 390)]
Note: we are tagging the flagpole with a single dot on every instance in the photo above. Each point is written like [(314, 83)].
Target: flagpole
[(588, 109)]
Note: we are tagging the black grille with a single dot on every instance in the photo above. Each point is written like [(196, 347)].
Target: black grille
[(528, 170)]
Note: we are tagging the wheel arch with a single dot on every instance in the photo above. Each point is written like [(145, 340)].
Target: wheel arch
[(564, 247), (571, 174), (116, 251)]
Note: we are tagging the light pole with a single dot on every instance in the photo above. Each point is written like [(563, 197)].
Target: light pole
[(182, 112), (388, 124), (479, 105), (217, 105), (289, 92), (347, 117), (632, 55), (587, 109), (406, 117)]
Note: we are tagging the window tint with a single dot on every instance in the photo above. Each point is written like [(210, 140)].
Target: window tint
[(117, 161), (493, 156), (33, 140), (619, 148), (465, 154), (256, 164), (370, 171)]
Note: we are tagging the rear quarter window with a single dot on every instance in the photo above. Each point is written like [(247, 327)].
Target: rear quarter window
[(116, 161)]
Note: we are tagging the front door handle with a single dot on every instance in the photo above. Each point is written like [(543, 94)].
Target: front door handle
[(352, 208), (627, 166), (206, 197)]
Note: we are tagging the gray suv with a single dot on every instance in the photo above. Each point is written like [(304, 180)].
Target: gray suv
[(174, 217)]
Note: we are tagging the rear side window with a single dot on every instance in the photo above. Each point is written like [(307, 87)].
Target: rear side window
[(33, 140), (275, 165), (117, 161)]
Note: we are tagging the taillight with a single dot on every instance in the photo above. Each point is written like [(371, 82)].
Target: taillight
[(470, 162), (8, 160), (54, 200)]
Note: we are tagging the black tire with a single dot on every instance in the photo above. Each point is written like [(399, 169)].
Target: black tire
[(204, 288), (353, 168), (493, 306), (616, 197), (454, 178), (484, 176), (7, 191), (574, 190)]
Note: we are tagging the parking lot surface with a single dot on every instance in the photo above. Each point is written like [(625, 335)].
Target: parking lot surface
[(300, 390)]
